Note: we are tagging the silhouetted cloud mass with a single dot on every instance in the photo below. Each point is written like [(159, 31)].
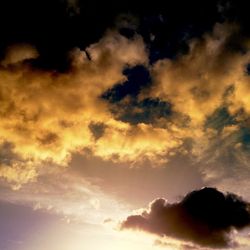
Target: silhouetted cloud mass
[(206, 217)]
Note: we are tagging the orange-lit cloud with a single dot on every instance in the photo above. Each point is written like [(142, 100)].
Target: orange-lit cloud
[(196, 83), (46, 116)]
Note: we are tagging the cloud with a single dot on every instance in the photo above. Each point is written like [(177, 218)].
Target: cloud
[(207, 89), (196, 83), (46, 115), (67, 194), (137, 142), (19, 53), (206, 217), (204, 92)]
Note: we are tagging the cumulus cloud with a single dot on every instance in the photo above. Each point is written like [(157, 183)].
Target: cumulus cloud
[(206, 217), (46, 115), (196, 83), (207, 89)]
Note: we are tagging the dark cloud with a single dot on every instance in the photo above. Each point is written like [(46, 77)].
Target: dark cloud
[(205, 217), (55, 27)]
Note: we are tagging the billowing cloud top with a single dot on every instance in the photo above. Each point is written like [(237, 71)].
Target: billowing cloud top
[(47, 115), (205, 217)]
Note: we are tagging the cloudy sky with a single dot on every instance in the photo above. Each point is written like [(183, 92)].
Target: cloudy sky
[(124, 125)]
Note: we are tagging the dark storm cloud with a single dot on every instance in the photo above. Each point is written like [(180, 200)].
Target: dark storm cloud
[(57, 26), (206, 217)]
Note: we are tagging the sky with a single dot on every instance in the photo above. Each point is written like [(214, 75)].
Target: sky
[(124, 125)]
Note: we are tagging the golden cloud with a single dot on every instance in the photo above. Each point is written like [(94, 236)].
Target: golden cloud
[(46, 116), (196, 83)]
